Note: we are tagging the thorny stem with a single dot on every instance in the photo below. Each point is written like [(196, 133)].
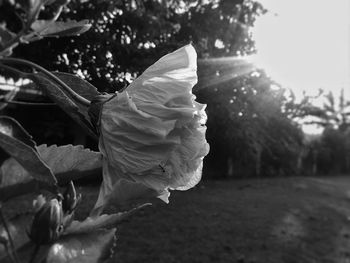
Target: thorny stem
[(73, 94), (15, 256)]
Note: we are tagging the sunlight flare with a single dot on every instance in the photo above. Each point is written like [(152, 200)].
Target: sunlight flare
[(304, 45)]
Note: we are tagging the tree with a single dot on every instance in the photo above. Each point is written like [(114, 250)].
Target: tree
[(329, 152), (128, 36), (247, 124)]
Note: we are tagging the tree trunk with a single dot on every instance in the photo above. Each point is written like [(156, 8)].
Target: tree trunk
[(314, 162), (258, 161), (229, 167)]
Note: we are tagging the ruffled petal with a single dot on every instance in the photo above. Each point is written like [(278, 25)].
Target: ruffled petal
[(118, 188), (133, 140), (169, 81), (186, 160), (153, 134)]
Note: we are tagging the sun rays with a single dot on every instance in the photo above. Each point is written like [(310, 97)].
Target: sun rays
[(305, 44), (213, 71)]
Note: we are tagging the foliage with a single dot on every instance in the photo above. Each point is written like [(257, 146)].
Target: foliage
[(127, 36), (328, 152), (54, 235), (255, 133)]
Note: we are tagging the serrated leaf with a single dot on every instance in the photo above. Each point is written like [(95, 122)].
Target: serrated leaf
[(85, 248), (74, 109), (47, 28), (64, 161), (99, 222), (68, 159), (16, 142)]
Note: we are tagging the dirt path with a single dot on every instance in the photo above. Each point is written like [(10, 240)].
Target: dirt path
[(270, 220)]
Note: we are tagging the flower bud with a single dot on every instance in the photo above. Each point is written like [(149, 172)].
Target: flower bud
[(70, 199), (47, 223)]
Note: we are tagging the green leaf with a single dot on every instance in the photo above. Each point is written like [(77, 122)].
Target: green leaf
[(68, 160), (11, 75), (80, 86), (5, 35), (34, 8), (9, 96), (74, 109), (16, 142), (11, 172), (47, 28), (92, 247), (18, 227), (12, 128)]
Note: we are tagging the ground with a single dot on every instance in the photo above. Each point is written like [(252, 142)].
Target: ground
[(297, 219)]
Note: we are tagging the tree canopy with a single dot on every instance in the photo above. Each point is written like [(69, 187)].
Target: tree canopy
[(251, 117)]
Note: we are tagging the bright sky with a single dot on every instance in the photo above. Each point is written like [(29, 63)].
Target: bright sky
[(304, 44)]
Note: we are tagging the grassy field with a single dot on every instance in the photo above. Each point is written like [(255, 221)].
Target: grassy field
[(261, 220)]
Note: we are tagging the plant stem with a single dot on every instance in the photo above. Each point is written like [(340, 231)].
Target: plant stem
[(72, 93), (15, 256), (18, 73), (26, 28), (14, 42)]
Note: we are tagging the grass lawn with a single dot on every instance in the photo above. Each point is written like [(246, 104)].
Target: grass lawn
[(260, 220)]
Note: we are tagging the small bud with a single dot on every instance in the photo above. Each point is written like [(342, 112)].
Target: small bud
[(70, 199), (47, 223)]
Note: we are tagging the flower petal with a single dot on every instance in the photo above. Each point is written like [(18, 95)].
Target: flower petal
[(168, 81), (117, 188), (152, 135), (133, 140)]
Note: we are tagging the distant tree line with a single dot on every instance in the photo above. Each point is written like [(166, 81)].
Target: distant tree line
[(329, 152)]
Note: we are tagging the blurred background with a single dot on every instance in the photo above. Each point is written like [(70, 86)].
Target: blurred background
[(275, 78)]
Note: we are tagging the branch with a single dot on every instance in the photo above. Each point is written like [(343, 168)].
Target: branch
[(51, 76)]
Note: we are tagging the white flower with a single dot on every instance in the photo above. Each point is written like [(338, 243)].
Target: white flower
[(152, 135)]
